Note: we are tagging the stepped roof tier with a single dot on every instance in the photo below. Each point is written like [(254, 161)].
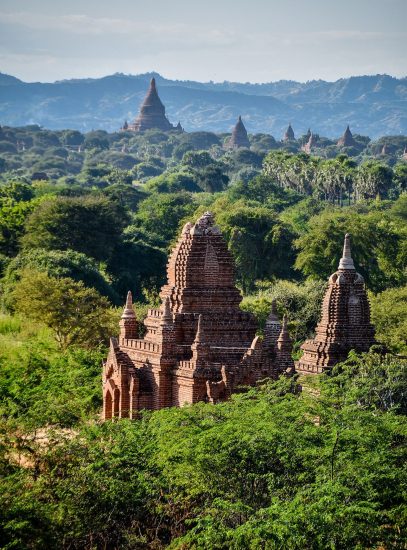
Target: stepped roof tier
[(239, 136), (289, 134), (345, 319), (347, 139), (199, 345), (152, 113)]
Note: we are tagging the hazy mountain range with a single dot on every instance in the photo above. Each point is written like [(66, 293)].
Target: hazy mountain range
[(372, 105)]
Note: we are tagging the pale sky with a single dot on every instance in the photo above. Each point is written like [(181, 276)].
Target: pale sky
[(253, 40)]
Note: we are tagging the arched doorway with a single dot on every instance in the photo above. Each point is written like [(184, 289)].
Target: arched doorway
[(116, 402), (108, 406)]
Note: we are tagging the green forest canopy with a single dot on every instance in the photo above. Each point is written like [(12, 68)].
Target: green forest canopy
[(84, 219)]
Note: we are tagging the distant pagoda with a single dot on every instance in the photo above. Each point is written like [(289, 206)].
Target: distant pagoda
[(152, 114), (289, 134), (345, 319), (347, 139), (385, 150), (239, 136), (311, 143)]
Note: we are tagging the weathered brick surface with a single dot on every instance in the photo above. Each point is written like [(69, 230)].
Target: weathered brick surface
[(199, 346), (345, 319)]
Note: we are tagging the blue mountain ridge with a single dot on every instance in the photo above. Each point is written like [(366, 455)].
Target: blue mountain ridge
[(371, 105)]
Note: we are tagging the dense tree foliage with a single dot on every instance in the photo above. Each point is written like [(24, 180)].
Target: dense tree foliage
[(75, 314), (84, 219)]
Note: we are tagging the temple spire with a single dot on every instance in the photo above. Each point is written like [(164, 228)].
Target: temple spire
[(239, 136), (289, 134), (128, 321), (346, 262), (128, 310), (152, 113), (347, 139), (200, 348), (199, 332), (166, 312), (284, 342)]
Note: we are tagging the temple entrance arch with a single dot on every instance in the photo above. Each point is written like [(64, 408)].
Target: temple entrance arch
[(108, 406), (116, 402)]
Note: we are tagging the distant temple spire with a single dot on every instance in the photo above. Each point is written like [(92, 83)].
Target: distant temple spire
[(347, 139), (307, 148), (239, 136), (289, 134), (385, 150), (152, 113)]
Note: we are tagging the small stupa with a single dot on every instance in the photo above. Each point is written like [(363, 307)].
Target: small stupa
[(239, 136), (347, 139)]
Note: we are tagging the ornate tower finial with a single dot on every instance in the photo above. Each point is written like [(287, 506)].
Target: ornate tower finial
[(200, 348), (166, 312), (346, 262), (128, 321), (199, 332), (284, 342), (128, 310)]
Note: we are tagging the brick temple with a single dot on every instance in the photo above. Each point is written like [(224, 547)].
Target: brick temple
[(199, 345), (152, 114), (347, 139), (345, 319), (289, 134), (239, 136)]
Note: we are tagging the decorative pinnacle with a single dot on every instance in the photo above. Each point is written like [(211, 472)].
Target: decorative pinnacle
[(128, 308), (346, 262), (167, 316), (199, 331), (284, 340)]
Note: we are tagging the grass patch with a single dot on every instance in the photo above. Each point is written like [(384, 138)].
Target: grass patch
[(9, 324)]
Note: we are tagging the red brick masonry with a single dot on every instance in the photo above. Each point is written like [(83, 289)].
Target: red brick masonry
[(199, 346)]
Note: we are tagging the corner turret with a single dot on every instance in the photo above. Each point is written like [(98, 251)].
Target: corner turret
[(128, 321)]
